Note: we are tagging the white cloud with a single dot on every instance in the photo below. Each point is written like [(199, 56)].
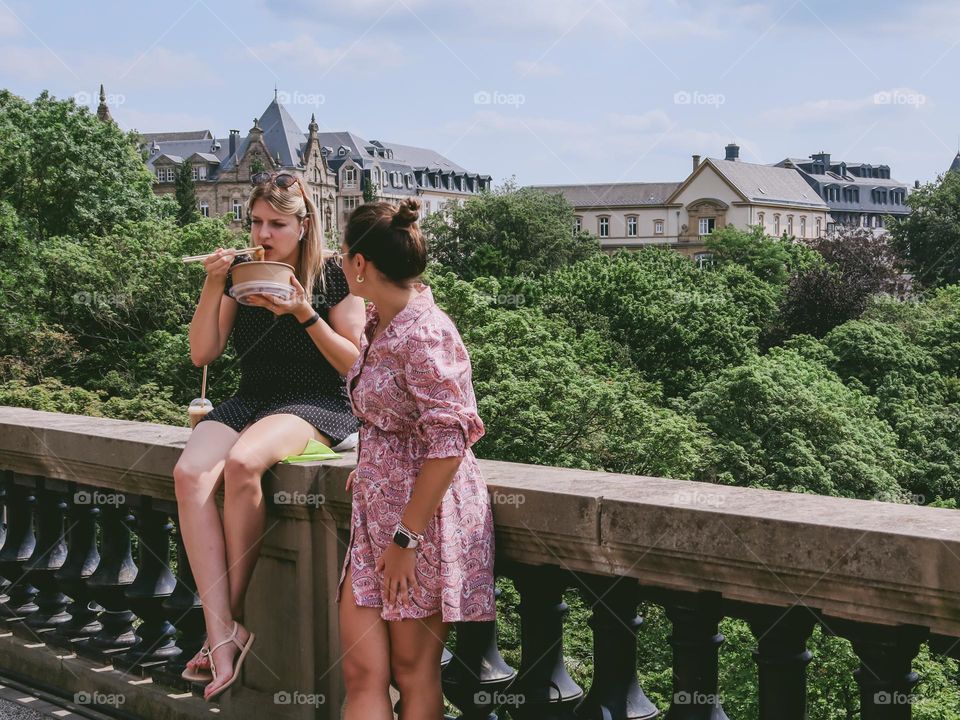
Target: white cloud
[(534, 69), (83, 72), (9, 25), (838, 110), (363, 56)]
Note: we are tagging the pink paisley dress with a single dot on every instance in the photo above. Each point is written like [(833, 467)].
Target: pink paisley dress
[(411, 388)]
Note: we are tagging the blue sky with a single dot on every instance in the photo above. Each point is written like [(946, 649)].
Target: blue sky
[(549, 91)]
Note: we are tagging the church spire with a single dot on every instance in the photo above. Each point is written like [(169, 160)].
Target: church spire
[(103, 110)]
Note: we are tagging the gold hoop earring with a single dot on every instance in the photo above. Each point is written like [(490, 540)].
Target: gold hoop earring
[(360, 278)]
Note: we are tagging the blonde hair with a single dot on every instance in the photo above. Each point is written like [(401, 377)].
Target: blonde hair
[(295, 201)]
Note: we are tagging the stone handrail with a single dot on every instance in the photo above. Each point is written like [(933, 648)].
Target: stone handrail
[(886, 576)]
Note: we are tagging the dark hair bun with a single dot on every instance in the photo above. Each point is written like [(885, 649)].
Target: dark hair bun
[(407, 213)]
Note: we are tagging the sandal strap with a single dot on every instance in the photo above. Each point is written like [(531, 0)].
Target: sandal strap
[(232, 638)]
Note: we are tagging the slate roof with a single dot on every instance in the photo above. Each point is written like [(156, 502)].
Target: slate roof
[(604, 195), (768, 184)]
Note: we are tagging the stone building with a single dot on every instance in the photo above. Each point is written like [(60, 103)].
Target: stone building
[(335, 167), (858, 194), (681, 215)]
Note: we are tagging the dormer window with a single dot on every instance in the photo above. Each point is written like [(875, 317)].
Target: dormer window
[(350, 177), (342, 151)]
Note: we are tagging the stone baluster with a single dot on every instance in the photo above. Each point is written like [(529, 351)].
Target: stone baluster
[(82, 560), (476, 675), (885, 677), (184, 607), (151, 588), (543, 688), (17, 549), (49, 554), (615, 693), (782, 658), (696, 643), (115, 573)]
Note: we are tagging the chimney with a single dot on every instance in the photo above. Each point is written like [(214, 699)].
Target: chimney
[(733, 152), (696, 161), (916, 184), (234, 134)]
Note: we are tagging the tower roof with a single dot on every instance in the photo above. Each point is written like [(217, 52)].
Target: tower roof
[(281, 134)]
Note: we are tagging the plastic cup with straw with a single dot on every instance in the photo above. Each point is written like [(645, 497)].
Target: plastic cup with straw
[(199, 407)]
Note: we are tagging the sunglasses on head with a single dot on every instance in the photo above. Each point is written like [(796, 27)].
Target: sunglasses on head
[(282, 180)]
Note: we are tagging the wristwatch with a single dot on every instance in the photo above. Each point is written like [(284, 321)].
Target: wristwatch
[(407, 538)]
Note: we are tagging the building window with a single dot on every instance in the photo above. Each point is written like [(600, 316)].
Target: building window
[(760, 219), (199, 172), (204, 208), (790, 225), (706, 226), (703, 260), (577, 223), (427, 206), (351, 203), (349, 177), (658, 227), (803, 227), (819, 227), (603, 227), (631, 226), (776, 225), (237, 210), (316, 199)]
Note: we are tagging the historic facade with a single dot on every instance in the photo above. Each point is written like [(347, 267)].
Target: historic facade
[(682, 214), (858, 194), (336, 168)]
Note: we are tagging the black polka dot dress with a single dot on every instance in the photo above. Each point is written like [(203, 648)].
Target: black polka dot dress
[(283, 371)]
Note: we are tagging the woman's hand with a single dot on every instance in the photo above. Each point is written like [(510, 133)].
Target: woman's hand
[(398, 566), (218, 265), (297, 305)]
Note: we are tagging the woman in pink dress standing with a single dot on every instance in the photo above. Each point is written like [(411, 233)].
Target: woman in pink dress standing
[(421, 531)]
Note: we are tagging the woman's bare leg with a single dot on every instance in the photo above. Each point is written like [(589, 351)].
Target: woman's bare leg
[(196, 477), (261, 446), (415, 650), (365, 655)]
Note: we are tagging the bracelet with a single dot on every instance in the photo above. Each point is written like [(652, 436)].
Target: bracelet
[(307, 323)]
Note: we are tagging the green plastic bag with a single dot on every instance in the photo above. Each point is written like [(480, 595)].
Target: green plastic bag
[(313, 452)]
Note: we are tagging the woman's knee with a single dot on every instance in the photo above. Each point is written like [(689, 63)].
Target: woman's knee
[(411, 670), (362, 674), (192, 480), (243, 467)]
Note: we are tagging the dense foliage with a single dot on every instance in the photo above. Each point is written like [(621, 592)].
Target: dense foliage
[(780, 366)]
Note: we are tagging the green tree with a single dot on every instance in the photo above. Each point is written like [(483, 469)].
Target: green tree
[(186, 194), (770, 259), (68, 172), (784, 422), (679, 324), (510, 231), (929, 237)]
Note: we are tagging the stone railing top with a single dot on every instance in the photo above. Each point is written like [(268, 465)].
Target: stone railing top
[(855, 559)]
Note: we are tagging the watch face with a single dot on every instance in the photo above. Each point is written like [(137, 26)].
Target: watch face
[(400, 539)]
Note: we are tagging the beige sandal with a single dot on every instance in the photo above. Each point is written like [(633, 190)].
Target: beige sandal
[(203, 675), (238, 663)]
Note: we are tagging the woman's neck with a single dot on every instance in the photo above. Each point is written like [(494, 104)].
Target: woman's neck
[(391, 301)]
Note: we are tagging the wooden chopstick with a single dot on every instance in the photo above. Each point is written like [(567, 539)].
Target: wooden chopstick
[(201, 258)]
